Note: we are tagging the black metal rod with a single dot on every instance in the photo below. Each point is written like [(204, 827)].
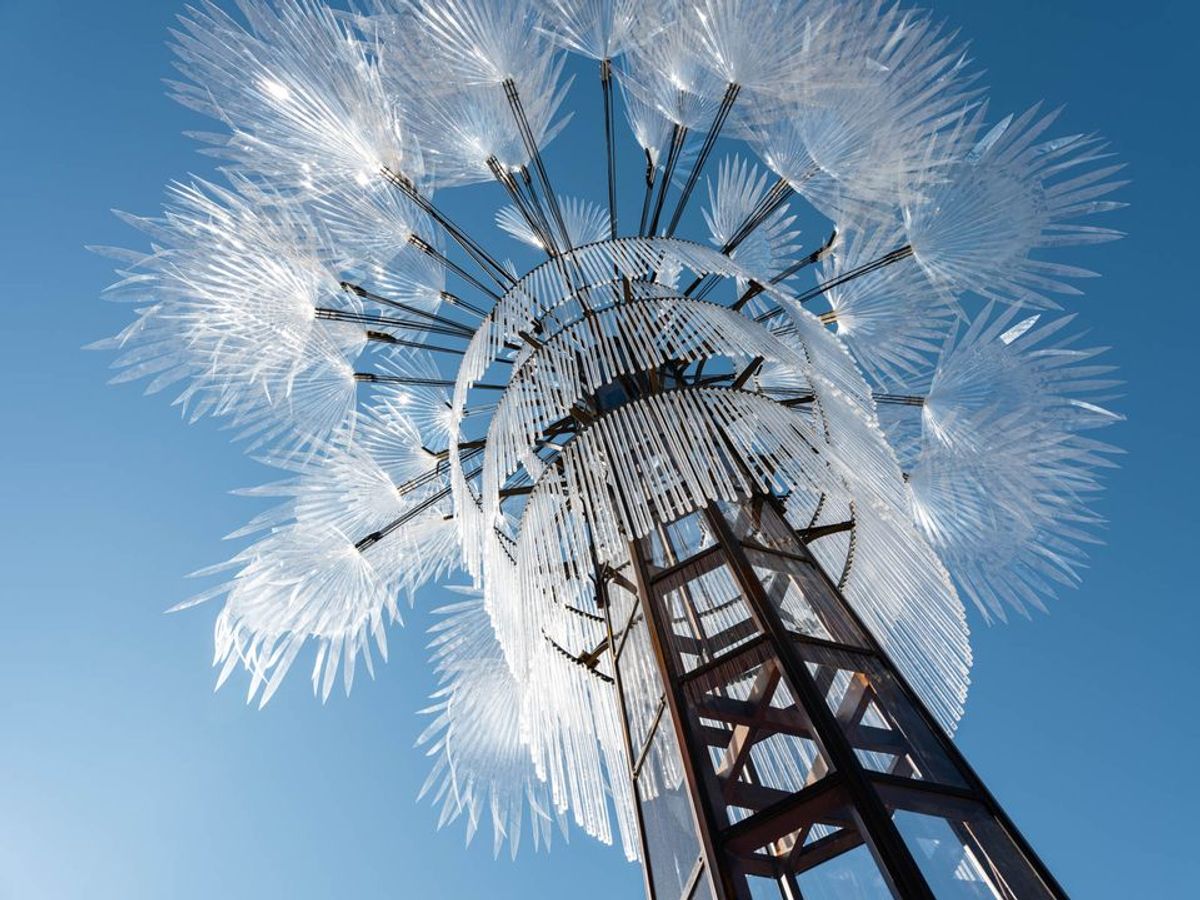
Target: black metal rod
[(755, 288), (550, 196), (522, 205), (766, 207), (679, 135), (376, 378), (535, 154), (376, 536), (482, 258), (878, 397), (326, 314), (651, 170), (778, 194), (887, 259), (361, 291), (563, 262), (814, 293), (710, 140), (538, 208), (771, 201), (382, 337), (898, 399), (425, 477), (606, 79), (451, 266), (455, 300)]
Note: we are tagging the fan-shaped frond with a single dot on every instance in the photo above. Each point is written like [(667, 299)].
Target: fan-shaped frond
[(301, 95), (586, 223), (1006, 473), (1011, 195), (483, 765), (893, 319), (233, 286), (733, 200), (601, 29)]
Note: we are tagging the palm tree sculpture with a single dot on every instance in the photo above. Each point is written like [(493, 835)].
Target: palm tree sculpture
[(718, 496)]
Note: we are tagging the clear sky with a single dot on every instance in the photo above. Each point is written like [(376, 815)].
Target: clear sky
[(124, 777)]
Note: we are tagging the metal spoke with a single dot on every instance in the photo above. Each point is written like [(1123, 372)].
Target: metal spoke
[(710, 140)]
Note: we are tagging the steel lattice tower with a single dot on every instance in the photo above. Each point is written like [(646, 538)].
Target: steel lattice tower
[(797, 670)]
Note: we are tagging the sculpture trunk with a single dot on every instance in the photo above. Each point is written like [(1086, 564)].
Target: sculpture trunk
[(787, 756)]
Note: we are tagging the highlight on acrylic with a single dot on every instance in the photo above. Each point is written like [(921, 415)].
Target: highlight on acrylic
[(719, 492)]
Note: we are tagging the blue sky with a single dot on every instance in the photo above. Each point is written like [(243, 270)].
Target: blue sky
[(122, 775)]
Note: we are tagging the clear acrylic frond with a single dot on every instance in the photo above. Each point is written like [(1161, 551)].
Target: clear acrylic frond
[(586, 222), (1006, 470), (1013, 193), (483, 770)]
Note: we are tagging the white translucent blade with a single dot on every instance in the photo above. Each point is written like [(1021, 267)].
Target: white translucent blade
[(601, 29), (586, 223), (732, 199), (884, 112), (894, 320)]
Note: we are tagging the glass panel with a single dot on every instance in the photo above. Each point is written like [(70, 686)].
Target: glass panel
[(948, 865), (763, 888), (806, 602), (851, 875), (677, 541), (755, 521), (641, 683), (704, 611), (671, 837), (886, 731), (962, 852)]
